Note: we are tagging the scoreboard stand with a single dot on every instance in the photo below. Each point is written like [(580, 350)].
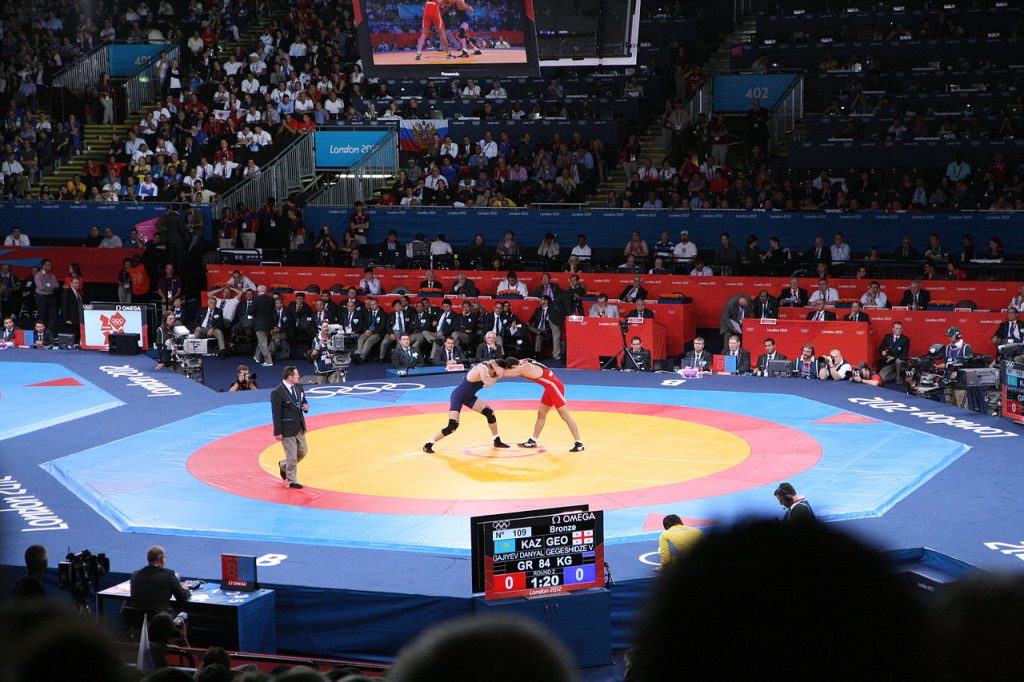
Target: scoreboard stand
[(580, 620), (547, 565)]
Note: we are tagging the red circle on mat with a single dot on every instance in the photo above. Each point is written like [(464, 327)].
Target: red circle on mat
[(777, 452)]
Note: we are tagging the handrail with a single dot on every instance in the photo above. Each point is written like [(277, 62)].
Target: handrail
[(701, 101), (787, 111), (145, 86), (364, 178), (84, 72), (279, 178)]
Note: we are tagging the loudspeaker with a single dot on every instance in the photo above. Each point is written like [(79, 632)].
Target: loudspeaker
[(124, 344)]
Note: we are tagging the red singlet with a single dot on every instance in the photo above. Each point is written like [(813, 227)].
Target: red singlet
[(554, 390), (432, 16)]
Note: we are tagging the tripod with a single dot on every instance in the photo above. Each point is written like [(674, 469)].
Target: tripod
[(607, 364)]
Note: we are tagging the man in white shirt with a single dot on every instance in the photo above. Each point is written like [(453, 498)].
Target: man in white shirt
[(110, 240), (824, 293), (131, 145), (11, 166), (449, 148), (370, 284), (251, 85), (16, 238), (471, 89), (835, 367), (488, 146), (512, 286), (497, 92), (840, 249), (148, 188), (700, 270), (224, 168), (685, 251), (439, 247), (334, 105), (582, 250), (874, 297), (232, 66), (261, 137)]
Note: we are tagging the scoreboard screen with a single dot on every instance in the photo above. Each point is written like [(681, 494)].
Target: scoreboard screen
[(1013, 391), (530, 555)]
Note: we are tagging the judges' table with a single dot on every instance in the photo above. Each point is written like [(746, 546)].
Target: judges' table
[(588, 338), (855, 340), (925, 327), (237, 621)]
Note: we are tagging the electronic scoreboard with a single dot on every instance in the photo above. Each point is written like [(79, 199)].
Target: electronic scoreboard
[(1013, 391), (541, 552)]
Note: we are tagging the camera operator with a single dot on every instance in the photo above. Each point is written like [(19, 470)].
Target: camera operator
[(165, 342), (244, 381), (637, 358), (164, 630), (153, 585), (30, 586), (863, 374), (834, 367), (957, 351)]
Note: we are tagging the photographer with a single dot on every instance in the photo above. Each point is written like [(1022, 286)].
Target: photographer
[(165, 630), (30, 585), (165, 342), (153, 585), (244, 380), (637, 358), (863, 374), (834, 367), (957, 351)]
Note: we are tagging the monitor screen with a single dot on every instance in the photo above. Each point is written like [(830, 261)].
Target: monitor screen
[(449, 38)]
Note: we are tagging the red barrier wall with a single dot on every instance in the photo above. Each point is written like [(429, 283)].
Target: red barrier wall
[(709, 293), (98, 265)]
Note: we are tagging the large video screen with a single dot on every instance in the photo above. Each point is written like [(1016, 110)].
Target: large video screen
[(475, 38)]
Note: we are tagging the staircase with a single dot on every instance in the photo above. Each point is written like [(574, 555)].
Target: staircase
[(719, 62), (615, 178), (97, 136)]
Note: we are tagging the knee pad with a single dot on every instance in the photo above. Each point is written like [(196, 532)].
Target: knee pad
[(489, 413), (452, 425)]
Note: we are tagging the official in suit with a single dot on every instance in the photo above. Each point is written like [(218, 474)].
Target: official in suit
[(489, 348), (495, 322), (547, 288), (153, 585), (633, 291), (603, 308), (764, 307), (819, 253), (640, 309), (741, 354), (330, 306), (279, 346), (399, 322), (303, 322), (699, 357), (375, 326), (546, 322), (793, 296), (8, 333), (450, 323), (767, 356), (637, 357), (464, 287), (856, 314), (210, 322), (447, 354), (431, 285), (263, 322), (894, 350), (288, 406), (820, 314), (1009, 331), (71, 307), (405, 355), (736, 309), (915, 297)]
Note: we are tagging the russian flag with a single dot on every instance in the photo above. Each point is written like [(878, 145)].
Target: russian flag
[(416, 134)]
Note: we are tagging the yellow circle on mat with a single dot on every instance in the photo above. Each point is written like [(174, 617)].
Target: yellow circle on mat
[(382, 457)]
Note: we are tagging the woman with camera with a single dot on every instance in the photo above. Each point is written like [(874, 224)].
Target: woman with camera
[(165, 342), (244, 380)]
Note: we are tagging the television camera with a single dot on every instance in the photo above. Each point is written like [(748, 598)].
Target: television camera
[(188, 351), (333, 358), (80, 575), (922, 376)]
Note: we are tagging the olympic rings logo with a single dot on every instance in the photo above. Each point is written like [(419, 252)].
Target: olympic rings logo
[(500, 525), (365, 388)]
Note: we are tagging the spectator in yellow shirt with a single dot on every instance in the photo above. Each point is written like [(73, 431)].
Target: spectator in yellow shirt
[(676, 540)]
